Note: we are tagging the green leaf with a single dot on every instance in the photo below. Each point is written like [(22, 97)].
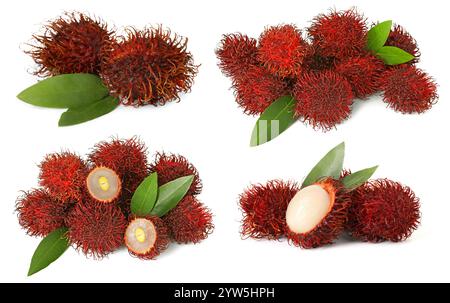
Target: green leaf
[(278, 117), (170, 194), (378, 35), (329, 166), (144, 197), (392, 55), (357, 179), (65, 91), (50, 249), (89, 112)]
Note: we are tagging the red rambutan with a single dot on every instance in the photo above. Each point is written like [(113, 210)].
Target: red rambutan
[(282, 50), (383, 210), (408, 89), (189, 222), (264, 209), (70, 44), (400, 38), (324, 99), (314, 62), (148, 67)]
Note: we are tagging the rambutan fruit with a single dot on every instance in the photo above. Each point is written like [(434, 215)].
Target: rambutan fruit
[(148, 67), (147, 237), (324, 99), (236, 53), (189, 222), (383, 210), (264, 209), (63, 175), (314, 62), (339, 34), (39, 213), (363, 73), (255, 89), (170, 167), (103, 184), (70, 44), (96, 229), (282, 50), (400, 38), (317, 214), (408, 89)]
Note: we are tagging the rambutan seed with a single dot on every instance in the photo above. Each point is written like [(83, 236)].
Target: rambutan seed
[(103, 184)]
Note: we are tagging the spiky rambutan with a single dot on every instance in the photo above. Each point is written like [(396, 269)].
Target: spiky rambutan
[(189, 222), (70, 44), (236, 53), (103, 184), (255, 89), (317, 214), (324, 99), (383, 210), (408, 89), (96, 229), (282, 50), (264, 209), (39, 213), (339, 34), (64, 175), (148, 67), (146, 237), (400, 38), (170, 167), (314, 61), (363, 73)]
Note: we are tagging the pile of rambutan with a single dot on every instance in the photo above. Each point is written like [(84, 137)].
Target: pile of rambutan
[(324, 68), (329, 203), (92, 202)]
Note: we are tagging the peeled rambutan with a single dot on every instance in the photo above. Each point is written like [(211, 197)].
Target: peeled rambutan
[(324, 99), (264, 209), (400, 38), (96, 229), (39, 213), (383, 210), (146, 237), (70, 44), (170, 167), (339, 34), (408, 89), (236, 53), (103, 184), (282, 50), (363, 73), (189, 222), (317, 214), (148, 67), (63, 175)]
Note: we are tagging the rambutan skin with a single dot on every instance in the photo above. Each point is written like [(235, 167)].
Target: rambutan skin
[(264, 209), (39, 213), (171, 166), (400, 38), (324, 99), (189, 222), (148, 67), (383, 210), (63, 175), (408, 89), (73, 43)]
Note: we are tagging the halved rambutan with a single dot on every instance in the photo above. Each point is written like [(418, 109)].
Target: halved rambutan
[(282, 50), (400, 38), (383, 210), (70, 44), (339, 34), (408, 89), (317, 214), (264, 209), (146, 237), (103, 184), (189, 222), (39, 213), (324, 99), (148, 67), (170, 167), (63, 175)]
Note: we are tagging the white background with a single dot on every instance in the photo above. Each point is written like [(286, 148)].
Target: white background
[(210, 130)]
